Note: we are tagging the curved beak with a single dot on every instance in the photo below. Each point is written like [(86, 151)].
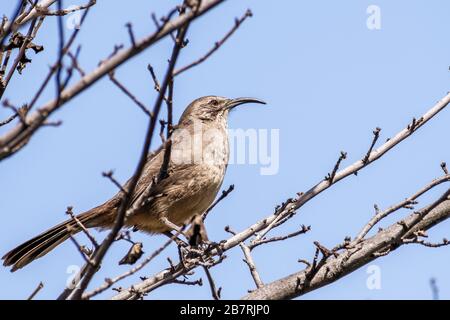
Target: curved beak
[(238, 101)]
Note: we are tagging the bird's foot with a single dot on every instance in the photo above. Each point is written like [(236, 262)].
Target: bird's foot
[(200, 253)]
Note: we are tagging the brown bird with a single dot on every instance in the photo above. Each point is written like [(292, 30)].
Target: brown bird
[(198, 161)]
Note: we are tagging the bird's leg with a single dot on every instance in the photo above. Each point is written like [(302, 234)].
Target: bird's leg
[(177, 240), (172, 226)]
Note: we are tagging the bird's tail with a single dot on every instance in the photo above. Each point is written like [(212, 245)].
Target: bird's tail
[(45, 242)]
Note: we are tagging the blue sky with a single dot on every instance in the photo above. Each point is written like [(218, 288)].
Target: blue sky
[(328, 80)]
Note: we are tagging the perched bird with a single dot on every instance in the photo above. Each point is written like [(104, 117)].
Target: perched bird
[(198, 160)]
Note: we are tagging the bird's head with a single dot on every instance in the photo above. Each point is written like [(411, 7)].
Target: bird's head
[(212, 108)]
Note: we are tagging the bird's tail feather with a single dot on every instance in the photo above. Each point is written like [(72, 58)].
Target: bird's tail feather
[(46, 241)]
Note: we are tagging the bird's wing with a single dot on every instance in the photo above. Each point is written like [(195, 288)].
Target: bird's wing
[(151, 170)]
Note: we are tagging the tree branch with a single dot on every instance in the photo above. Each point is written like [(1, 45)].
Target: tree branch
[(356, 256), (217, 45), (7, 141)]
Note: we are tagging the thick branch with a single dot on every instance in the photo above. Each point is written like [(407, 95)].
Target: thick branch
[(354, 258)]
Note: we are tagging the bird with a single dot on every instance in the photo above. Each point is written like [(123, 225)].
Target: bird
[(199, 154)]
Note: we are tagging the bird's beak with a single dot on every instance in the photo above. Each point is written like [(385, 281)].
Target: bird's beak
[(238, 101)]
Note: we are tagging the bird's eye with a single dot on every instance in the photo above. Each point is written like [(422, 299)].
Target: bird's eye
[(214, 102)]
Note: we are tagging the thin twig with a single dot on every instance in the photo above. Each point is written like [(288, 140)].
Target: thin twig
[(61, 53), (129, 94), (81, 225), (75, 63), (169, 103), (198, 282), (20, 56), (63, 12), (35, 291), (4, 32), (424, 243), (381, 215), (109, 282), (129, 27), (157, 86), (251, 265), (110, 176), (19, 112), (444, 167), (217, 45), (224, 194), (330, 176), (154, 77), (366, 251), (8, 120), (163, 171), (81, 249), (304, 229), (376, 135), (215, 293)]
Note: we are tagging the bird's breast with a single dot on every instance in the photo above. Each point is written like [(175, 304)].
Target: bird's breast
[(200, 145)]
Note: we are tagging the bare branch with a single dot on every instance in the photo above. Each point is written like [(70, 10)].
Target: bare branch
[(18, 112), (251, 265), (357, 254), (129, 94), (198, 282), (75, 63), (110, 176), (330, 176), (8, 120), (291, 208), (61, 53), (217, 45), (444, 167), (129, 27), (154, 77), (110, 282), (84, 252), (7, 27), (11, 141), (169, 103), (304, 229), (224, 194), (21, 60), (81, 225), (424, 243), (215, 293), (157, 86), (35, 291), (376, 135), (63, 12), (411, 200)]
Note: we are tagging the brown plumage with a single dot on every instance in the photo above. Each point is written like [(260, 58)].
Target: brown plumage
[(199, 157)]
